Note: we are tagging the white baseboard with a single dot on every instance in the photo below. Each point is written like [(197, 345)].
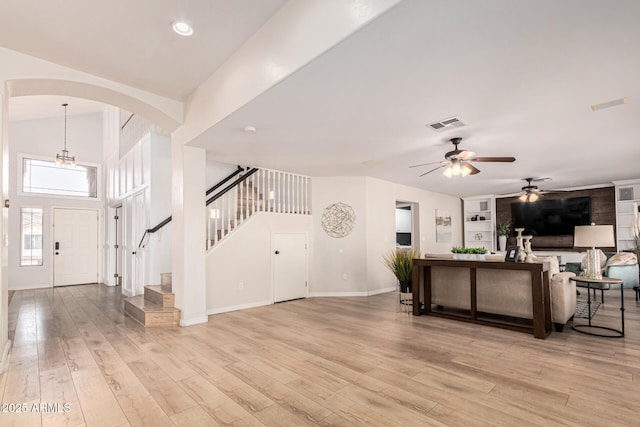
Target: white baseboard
[(238, 307), (383, 290), (4, 360), (194, 321), (338, 294), (353, 294), (29, 287)]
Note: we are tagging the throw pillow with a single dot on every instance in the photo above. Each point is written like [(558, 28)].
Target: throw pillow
[(623, 258)]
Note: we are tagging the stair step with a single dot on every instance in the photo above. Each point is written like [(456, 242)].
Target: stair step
[(151, 314), (160, 294)]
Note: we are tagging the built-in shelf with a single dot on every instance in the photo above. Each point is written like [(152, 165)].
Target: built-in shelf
[(627, 210), (479, 222)]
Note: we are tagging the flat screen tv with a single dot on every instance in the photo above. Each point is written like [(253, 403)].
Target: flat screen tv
[(551, 217)]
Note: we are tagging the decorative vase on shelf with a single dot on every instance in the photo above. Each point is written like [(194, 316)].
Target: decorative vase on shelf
[(502, 243)]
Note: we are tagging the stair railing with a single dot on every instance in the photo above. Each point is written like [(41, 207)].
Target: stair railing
[(259, 190), (166, 221)]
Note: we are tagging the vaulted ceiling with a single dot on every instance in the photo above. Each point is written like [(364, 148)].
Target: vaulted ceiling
[(521, 75)]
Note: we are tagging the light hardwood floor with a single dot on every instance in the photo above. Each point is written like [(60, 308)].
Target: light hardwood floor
[(319, 361)]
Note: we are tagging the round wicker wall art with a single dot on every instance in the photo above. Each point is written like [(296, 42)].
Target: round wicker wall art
[(338, 220)]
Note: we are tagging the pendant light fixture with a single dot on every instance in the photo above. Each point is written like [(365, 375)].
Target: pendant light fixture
[(64, 160)]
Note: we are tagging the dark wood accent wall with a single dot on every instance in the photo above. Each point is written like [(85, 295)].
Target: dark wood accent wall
[(603, 211)]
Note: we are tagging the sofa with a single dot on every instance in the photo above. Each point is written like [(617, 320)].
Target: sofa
[(503, 292)]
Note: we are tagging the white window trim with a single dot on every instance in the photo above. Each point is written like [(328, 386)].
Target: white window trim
[(20, 170)]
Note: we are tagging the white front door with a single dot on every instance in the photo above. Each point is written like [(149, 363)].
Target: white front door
[(289, 252), (75, 237)]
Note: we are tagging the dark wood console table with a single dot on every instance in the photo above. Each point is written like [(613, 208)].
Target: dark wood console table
[(539, 273)]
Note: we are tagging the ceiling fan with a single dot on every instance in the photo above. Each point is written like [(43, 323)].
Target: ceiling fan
[(531, 193), (457, 162)]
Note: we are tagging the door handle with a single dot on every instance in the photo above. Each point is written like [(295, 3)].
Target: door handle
[(57, 246), (277, 252), (133, 253)]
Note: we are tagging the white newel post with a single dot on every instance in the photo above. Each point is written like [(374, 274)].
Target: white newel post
[(189, 229)]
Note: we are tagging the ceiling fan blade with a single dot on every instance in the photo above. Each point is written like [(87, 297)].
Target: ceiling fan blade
[(432, 170), (465, 155), (474, 170), (426, 164), (492, 159)]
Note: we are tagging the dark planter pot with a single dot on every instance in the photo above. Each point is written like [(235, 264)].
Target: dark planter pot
[(405, 287)]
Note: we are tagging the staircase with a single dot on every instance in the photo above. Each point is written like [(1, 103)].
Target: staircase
[(249, 201), (156, 308)]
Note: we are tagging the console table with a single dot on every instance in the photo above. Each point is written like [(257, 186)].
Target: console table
[(539, 279)]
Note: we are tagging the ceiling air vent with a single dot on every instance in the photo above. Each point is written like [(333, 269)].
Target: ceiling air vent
[(453, 122)]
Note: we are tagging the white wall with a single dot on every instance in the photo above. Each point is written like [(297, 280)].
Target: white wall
[(246, 256), (339, 264), (353, 265), (381, 202), (45, 137)]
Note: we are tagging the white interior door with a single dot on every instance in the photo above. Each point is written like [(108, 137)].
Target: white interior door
[(75, 236), (289, 252)]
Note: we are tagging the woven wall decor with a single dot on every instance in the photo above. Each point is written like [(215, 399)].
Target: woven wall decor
[(338, 220)]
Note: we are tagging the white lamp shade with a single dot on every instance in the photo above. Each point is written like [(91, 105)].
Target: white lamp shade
[(593, 236)]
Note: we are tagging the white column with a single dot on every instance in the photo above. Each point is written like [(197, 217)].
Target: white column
[(188, 231), (5, 344)]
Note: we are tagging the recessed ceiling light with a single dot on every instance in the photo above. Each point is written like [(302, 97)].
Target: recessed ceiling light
[(250, 129), (182, 28)]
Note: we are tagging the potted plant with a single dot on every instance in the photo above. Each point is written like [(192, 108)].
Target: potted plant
[(503, 230), (400, 263), (469, 254)]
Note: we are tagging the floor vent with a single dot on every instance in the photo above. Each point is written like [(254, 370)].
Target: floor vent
[(453, 122)]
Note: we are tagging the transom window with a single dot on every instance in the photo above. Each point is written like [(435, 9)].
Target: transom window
[(31, 236), (45, 177)]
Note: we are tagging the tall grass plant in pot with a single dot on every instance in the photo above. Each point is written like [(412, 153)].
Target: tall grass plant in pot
[(400, 262)]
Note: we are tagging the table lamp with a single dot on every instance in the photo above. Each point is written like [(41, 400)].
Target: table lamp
[(592, 236)]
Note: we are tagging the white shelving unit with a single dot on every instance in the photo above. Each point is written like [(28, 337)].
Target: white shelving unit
[(480, 222), (627, 202)]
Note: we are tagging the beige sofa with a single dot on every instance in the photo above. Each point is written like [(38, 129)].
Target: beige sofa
[(504, 292)]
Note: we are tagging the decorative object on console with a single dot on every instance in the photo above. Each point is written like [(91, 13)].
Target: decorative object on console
[(502, 230), (590, 236), (521, 255), (338, 220), (527, 249), (512, 254), (400, 262)]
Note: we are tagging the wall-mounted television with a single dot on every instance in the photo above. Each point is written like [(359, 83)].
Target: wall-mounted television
[(551, 217)]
